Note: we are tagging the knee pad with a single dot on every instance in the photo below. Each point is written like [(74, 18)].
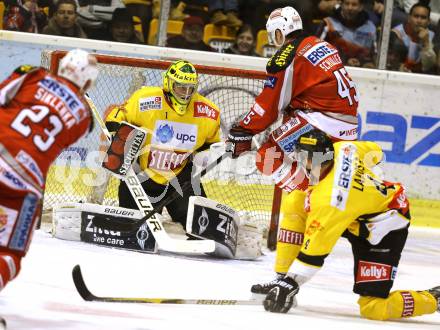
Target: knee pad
[(9, 267), (291, 232), (272, 161)]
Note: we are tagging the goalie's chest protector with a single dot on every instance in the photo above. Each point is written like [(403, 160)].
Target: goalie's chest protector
[(172, 137)]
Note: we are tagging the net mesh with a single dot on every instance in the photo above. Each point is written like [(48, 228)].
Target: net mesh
[(77, 175)]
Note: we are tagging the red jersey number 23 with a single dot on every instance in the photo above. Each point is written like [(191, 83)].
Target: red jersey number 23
[(36, 114)]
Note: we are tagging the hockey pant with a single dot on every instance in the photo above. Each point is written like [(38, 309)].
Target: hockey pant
[(275, 157), (374, 273)]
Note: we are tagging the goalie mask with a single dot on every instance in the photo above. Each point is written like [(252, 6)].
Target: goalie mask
[(281, 22), (180, 83), (79, 67)]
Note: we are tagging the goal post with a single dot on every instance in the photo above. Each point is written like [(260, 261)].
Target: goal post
[(76, 175)]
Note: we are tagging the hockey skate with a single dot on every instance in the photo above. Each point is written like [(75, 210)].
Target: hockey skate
[(264, 288), (436, 293)]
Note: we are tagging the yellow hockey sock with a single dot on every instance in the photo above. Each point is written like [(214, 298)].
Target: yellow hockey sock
[(291, 232), (399, 304)]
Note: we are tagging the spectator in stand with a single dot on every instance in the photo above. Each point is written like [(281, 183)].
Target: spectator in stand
[(375, 14), (350, 30), (95, 15), (183, 9), (418, 39), (192, 35), (24, 16), (63, 22), (122, 29), (142, 9), (224, 12), (314, 15), (397, 53), (406, 6), (244, 42)]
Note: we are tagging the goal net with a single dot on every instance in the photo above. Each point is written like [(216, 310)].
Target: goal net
[(77, 175)]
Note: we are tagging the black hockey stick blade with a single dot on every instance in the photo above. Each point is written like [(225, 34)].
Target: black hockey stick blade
[(84, 292)]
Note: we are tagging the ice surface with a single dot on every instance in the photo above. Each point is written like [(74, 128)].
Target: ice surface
[(43, 296)]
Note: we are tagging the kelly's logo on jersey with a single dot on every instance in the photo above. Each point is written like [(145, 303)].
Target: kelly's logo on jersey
[(203, 110), (150, 103), (319, 52), (174, 135)]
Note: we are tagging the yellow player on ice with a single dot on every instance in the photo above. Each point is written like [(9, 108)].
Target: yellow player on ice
[(345, 198)]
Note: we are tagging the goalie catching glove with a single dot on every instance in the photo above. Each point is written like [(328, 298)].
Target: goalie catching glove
[(239, 141), (282, 296)]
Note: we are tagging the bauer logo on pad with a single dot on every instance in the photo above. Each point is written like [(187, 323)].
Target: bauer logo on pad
[(124, 149)]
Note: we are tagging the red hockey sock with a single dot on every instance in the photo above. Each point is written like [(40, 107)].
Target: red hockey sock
[(9, 267)]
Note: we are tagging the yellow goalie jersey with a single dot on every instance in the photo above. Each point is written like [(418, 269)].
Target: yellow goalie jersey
[(171, 138), (350, 197)]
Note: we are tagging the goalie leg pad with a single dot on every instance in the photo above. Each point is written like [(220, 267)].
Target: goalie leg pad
[(248, 242), (208, 219), (74, 221)]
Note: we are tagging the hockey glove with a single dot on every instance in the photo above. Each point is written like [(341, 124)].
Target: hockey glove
[(282, 297), (239, 140)]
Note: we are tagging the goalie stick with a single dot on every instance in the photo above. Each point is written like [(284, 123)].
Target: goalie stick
[(113, 224), (164, 241), (85, 293)]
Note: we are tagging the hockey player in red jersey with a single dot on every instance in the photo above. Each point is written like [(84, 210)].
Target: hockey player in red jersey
[(308, 84), (40, 115)]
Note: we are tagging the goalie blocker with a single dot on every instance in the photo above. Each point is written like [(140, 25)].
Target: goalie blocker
[(124, 149), (233, 237)]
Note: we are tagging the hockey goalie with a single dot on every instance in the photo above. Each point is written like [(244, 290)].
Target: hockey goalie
[(206, 219)]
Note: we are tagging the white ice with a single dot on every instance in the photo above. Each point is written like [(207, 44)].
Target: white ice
[(44, 297)]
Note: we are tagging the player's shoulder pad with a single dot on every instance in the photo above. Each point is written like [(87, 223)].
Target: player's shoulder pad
[(23, 69), (284, 56)]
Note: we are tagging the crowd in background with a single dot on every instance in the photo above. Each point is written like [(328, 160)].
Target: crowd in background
[(351, 25)]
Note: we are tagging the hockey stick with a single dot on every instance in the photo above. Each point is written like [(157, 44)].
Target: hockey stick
[(134, 224), (164, 241), (85, 293)]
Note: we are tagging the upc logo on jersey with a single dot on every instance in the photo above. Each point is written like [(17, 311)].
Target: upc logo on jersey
[(373, 272), (319, 52), (203, 110), (150, 103), (175, 135), (270, 82)]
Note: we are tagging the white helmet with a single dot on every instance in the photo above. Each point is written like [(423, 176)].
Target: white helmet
[(284, 19), (79, 67)]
